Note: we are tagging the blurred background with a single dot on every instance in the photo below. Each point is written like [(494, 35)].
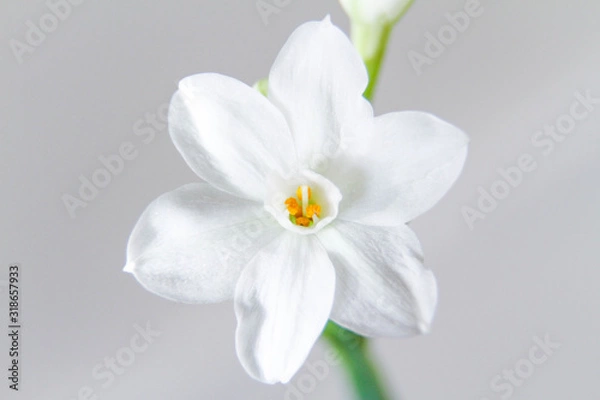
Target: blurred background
[(516, 262)]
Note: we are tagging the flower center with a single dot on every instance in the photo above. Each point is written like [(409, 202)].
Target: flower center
[(314, 206), (302, 209)]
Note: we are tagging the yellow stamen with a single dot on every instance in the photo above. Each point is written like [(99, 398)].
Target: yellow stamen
[(313, 209), (303, 221), (303, 213), (293, 207), (306, 196), (299, 192)]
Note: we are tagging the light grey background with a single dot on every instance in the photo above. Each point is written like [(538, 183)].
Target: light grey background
[(529, 269)]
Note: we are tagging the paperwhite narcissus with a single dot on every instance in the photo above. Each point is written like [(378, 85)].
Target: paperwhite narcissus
[(375, 11), (302, 216)]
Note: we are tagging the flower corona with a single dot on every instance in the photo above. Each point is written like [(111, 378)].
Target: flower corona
[(303, 210)]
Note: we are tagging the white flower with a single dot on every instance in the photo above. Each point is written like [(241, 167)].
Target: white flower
[(303, 214), (375, 11)]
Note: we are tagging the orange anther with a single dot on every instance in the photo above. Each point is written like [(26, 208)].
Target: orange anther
[(292, 206), (303, 221), (313, 209)]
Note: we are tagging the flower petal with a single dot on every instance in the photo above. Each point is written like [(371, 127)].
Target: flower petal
[(229, 134), (401, 165), (317, 81), (190, 244), (382, 287), (282, 303)]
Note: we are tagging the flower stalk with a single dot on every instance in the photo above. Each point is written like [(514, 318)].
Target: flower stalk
[(353, 351)]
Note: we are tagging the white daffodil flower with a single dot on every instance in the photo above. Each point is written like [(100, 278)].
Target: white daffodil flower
[(375, 11), (302, 216)]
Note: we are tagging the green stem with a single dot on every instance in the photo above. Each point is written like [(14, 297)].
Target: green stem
[(353, 353)]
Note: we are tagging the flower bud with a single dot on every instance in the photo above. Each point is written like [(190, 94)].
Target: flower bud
[(375, 11)]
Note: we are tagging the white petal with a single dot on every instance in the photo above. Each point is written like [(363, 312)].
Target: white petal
[(398, 167), (382, 287), (190, 244), (282, 302), (229, 134), (317, 81)]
